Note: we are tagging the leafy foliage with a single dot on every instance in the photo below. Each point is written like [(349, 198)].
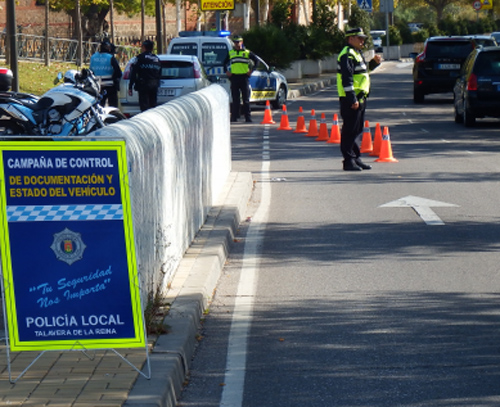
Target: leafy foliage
[(282, 41), (94, 12), (394, 36), (281, 13), (360, 18), (271, 44)]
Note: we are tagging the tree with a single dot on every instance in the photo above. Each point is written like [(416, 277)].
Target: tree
[(437, 5), (94, 12)]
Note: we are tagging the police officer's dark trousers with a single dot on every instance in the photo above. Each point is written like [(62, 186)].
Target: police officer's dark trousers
[(352, 129), (109, 94), (239, 84), (147, 97)]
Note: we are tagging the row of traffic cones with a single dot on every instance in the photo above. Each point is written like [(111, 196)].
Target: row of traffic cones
[(380, 147)]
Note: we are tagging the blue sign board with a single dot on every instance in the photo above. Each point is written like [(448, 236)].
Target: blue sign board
[(365, 5), (68, 261)]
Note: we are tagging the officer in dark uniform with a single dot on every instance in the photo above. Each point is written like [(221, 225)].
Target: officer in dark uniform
[(238, 71), (353, 85), (145, 76), (106, 68)]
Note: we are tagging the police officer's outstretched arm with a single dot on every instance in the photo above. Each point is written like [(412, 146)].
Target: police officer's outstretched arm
[(375, 62)]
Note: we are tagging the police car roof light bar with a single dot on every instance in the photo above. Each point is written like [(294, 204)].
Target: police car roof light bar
[(204, 33)]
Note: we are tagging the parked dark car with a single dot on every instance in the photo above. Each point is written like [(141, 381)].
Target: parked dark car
[(477, 89), (436, 69)]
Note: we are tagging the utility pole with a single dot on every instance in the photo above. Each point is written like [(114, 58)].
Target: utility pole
[(12, 39)]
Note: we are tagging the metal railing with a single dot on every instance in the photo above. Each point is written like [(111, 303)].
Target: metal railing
[(32, 47)]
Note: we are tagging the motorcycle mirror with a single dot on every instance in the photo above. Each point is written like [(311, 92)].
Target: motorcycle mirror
[(59, 78)]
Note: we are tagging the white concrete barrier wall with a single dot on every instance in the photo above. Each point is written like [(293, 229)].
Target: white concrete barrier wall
[(179, 158)]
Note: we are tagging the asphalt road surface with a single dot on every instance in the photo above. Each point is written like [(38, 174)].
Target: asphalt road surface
[(360, 289)]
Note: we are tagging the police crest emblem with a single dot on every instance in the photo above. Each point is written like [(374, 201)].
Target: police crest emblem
[(68, 246)]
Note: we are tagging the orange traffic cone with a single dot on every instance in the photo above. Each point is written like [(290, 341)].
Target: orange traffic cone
[(313, 125), (335, 133), (301, 123), (366, 143), (284, 124), (386, 149), (268, 118), (377, 141), (323, 129)]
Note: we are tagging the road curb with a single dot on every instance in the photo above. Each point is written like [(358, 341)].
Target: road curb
[(311, 87), (190, 294)]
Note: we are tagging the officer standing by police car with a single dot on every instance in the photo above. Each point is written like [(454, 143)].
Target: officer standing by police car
[(105, 66), (145, 76), (239, 60), (353, 85)]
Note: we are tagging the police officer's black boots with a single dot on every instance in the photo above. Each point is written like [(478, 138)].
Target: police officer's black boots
[(350, 165), (362, 165)]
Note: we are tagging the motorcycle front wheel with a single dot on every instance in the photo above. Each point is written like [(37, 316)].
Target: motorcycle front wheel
[(10, 128)]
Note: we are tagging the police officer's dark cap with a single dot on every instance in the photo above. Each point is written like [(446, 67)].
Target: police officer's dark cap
[(237, 38), (355, 32)]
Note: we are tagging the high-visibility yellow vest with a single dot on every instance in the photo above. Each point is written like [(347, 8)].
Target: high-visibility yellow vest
[(361, 78), (239, 61)]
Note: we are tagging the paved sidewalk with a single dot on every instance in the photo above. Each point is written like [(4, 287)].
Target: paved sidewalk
[(103, 379)]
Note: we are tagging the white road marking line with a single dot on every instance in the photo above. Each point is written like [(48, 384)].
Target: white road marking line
[(232, 393)]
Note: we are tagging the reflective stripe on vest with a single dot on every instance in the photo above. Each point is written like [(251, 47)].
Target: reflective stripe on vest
[(239, 61), (360, 78), (100, 64)]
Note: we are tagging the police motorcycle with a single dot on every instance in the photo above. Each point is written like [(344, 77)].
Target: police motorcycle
[(69, 109)]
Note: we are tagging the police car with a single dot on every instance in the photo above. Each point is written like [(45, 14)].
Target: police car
[(212, 48)]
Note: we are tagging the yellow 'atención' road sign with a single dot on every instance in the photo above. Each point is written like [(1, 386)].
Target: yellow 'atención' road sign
[(207, 5)]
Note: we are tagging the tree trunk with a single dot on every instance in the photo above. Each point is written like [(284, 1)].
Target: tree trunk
[(78, 25), (178, 18), (305, 10), (111, 21), (143, 20), (265, 12), (47, 42), (246, 15)]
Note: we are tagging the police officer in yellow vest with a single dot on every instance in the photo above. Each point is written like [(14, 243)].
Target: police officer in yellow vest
[(353, 84), (239, 69)]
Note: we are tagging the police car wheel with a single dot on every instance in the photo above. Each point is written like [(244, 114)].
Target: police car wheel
[(280, 98)]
